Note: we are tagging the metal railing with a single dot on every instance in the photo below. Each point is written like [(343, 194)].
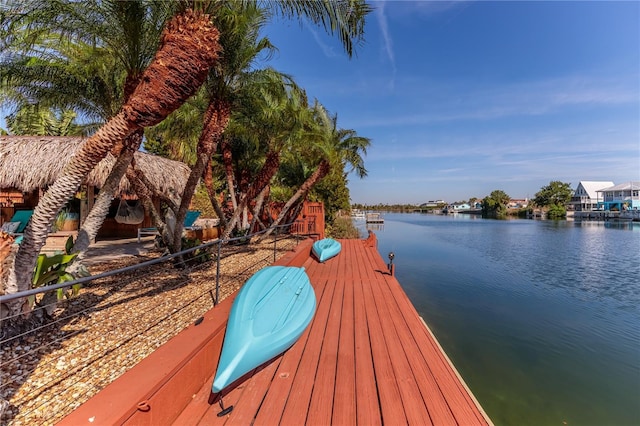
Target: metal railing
[(71, 349)]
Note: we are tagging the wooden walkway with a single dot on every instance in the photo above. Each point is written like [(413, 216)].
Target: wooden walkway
[(367, 358)]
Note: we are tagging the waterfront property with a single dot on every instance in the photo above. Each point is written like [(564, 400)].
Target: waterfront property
[(456, 207), (625, 196), (586, 196), (518, 203), (367, 358)]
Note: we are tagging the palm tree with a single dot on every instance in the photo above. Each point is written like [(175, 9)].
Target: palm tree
[(33, 120), (336, 148), (189, 47), (93, 70), (239, 24), (275, 120)]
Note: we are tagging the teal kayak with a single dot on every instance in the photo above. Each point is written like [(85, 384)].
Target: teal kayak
[(268, 316), (326, 249)]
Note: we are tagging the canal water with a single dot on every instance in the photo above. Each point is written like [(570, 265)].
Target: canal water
[(541, 318)]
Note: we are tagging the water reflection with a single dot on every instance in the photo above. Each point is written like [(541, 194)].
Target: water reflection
[(622, 225), (375, 226)]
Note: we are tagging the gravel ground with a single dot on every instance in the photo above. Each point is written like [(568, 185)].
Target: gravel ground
[(113, 324)]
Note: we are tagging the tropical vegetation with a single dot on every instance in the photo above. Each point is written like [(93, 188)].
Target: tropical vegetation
[(554, 197), (496, 204), (124, 67)]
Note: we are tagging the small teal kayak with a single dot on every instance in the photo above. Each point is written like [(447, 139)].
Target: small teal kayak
[(326, 249), (268, 316)]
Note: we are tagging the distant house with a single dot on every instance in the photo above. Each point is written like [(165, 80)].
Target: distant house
[(625, 196), (456, 207), (518, 203), (586, 196), (433, 203)]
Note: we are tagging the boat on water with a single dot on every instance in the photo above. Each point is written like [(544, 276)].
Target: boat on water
[(270, 313), (326, 248), (358, 214)]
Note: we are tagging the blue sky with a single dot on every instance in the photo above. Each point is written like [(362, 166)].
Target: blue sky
[(463, 98)]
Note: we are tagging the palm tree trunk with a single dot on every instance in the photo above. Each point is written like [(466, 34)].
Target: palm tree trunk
[(208, 183), (228, 169), (7, 252), (189, 47), (258, 207), (321, 171), (216, 120), (145, 191), (98, 213), (269, 169)]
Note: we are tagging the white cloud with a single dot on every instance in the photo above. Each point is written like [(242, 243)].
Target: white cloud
[(387, 42), (327, 50), (450, 103)]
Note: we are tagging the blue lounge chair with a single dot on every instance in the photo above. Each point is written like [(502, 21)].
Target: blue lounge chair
[(189, 219), (15, 226)]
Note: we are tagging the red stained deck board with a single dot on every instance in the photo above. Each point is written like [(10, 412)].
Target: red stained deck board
[(460, 401), (395, 338), (386, 383), (252, 395), (297, 404), (321, 404), (344, 409), (367, 405), (427, 391), (292, 364)]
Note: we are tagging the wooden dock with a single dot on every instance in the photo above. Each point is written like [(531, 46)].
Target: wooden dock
[(367, 358), (374, 218)]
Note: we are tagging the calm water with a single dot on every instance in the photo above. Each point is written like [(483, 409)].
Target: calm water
[(541, 318)]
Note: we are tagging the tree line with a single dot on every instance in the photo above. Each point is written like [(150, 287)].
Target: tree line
[(553, 198)]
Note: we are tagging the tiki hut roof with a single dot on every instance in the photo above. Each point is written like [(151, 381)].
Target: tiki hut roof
[(31, 162)]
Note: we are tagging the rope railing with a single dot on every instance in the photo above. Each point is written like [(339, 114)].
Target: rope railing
[(119, 317), (217, 242)]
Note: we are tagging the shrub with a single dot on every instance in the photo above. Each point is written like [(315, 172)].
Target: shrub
[(343, 227)]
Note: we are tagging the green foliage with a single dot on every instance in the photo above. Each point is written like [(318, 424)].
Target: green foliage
[(495, 204), (555, 194), (342, 227), (202, 202), (197, 256), (241, 235), (332, 190), (401, 208), (556, 212), (52, 270), (34, 120), (59, 222), (156, 145)]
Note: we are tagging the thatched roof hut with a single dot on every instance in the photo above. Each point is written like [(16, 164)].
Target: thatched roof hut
[(31, 162)]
